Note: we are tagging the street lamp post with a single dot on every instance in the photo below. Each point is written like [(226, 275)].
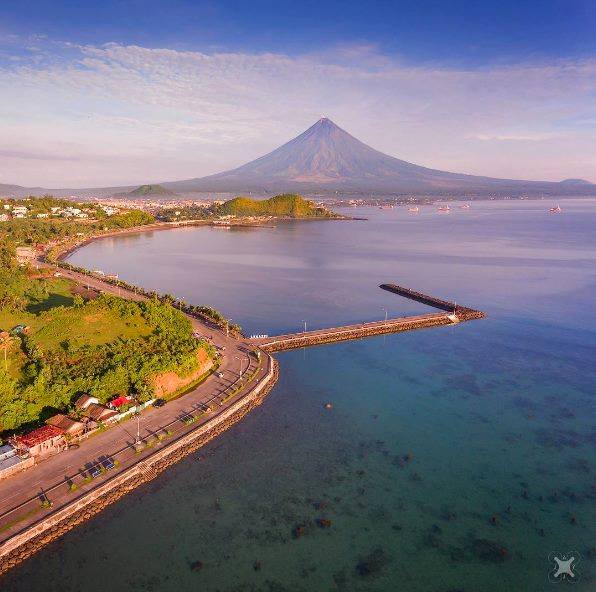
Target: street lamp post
[(240, 371)]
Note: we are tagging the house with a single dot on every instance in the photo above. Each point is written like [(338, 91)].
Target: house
[(43, 215), (6, 451), (85, 400), (11, 463), (4, 217), (42, 442), (99, 413), (71, 427), (93, 410)]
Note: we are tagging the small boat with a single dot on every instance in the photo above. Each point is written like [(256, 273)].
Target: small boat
[(556, 210), (414, 210), (465, 206), (443, 209)]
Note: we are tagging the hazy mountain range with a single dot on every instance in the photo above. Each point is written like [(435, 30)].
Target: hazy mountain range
[(327, 158)]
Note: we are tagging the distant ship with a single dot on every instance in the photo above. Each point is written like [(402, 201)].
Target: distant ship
[(556, 210), (414, 210)]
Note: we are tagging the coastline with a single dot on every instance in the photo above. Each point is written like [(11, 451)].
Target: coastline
[(29, 532), (42, 532)]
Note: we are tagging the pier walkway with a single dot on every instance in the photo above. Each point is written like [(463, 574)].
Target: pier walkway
[(451, 314)]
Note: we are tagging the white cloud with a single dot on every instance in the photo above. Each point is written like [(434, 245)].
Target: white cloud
[(130, 114)]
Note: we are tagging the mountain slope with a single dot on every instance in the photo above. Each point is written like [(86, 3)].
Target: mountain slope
[(325, 157)]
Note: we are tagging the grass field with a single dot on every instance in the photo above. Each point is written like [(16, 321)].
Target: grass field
[(54, 323)]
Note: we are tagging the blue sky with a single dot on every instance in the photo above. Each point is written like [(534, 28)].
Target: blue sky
[(472, 31), (118, 92)]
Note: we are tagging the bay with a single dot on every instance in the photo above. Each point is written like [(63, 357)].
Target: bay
[(456, 458)]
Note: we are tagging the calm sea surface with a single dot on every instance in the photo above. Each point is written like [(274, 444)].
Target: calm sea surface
[(454, 459)]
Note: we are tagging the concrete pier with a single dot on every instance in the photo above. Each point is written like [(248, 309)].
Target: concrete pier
[(451, 314)]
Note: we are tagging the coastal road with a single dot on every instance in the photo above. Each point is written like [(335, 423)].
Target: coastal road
[(19, 493)]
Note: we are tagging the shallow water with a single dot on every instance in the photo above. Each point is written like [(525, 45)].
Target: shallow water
[(455, 458)]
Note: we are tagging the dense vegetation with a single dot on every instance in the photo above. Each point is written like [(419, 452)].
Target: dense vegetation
[(105, 347), (285, 205)]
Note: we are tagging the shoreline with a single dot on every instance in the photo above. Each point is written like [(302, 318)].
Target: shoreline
[(35, 532)]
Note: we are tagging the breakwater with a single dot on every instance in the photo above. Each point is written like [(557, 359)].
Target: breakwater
[(27, 542), (453, 313), (462, 312)]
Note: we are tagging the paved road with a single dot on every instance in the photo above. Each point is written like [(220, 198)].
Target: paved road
[(117, 442)]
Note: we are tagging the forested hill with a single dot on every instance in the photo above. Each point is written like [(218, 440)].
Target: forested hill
[(288, 205)]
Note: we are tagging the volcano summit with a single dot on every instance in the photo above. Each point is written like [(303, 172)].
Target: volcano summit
[(327, 158)]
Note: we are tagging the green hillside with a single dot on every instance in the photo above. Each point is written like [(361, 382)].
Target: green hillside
[(148, 190), (55, 345), (289, 205)]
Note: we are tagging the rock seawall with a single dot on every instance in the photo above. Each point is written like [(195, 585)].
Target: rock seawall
[(23, 545)]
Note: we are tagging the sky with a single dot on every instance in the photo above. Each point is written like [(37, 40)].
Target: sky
[(127, 92)]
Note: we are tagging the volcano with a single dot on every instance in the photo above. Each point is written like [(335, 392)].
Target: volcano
[(327, 158)]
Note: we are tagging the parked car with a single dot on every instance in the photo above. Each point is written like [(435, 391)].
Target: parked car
[(220, 374), (159, 402), (108, 463), (94, 471)]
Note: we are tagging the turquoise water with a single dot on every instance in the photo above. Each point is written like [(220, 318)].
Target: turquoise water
[(454, 459)]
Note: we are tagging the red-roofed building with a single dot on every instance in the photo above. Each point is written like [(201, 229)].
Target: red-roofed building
[(119, 401), (42, 442)]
